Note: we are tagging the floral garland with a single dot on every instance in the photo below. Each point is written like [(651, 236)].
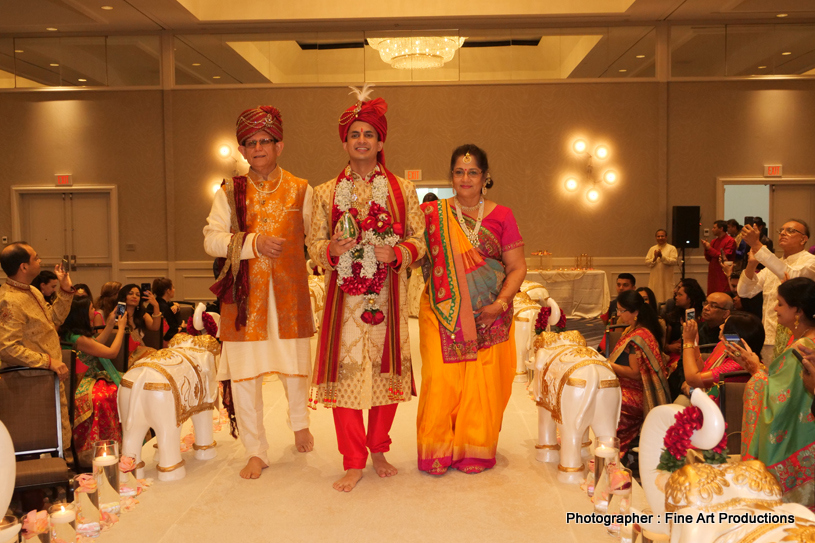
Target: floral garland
[(360, 273), (543, 320), (677, 441), (210, 328)]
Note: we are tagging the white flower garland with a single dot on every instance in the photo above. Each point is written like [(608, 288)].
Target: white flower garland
[(364, 253)]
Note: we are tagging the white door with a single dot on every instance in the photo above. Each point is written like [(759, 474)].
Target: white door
[(76, 223)]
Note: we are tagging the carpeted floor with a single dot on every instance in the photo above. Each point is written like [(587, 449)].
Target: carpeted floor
[(519, 500)]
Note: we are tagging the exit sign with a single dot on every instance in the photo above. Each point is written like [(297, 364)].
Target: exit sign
[(772, 170), (64, 179), (413, 175)]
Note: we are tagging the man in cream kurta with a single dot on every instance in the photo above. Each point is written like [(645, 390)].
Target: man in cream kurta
[(363, 359), (266, 322), (661, 258), (797, 262)]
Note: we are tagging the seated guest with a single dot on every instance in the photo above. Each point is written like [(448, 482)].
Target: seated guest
[(28, 333), (96, 316), (625, 281), (138, 319), (699, 374), (689, 295), (648, 296), (715, 310), (96, 416), (47, 283), (108, 298), (797, 262), (778, 428), (164, 291), (639, 365)]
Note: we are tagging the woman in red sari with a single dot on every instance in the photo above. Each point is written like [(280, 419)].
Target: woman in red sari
[(639, 365), (474, 267)]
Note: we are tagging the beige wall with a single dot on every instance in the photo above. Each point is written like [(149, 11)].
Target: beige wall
[(714, 129)]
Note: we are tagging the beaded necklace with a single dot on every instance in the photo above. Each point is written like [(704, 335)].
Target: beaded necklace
[(472, 235)]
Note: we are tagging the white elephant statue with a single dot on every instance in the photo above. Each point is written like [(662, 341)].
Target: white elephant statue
[(536, 291), (8, 475), (161, 391), (576, 388), (734, 488), (526, 312)]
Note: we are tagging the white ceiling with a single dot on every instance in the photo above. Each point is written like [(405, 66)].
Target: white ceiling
[(27, 17)]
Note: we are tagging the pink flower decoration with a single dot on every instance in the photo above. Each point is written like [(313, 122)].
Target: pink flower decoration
[(127, 464), (34, 523), (86, 482)]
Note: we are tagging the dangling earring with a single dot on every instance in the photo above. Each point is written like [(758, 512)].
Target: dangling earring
[(795, 324), (454, 193), (484, 190)]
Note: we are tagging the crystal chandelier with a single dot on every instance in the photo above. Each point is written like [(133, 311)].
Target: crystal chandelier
[(418, 52)]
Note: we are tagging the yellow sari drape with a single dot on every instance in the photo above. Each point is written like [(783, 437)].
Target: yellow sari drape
[(461, 405)]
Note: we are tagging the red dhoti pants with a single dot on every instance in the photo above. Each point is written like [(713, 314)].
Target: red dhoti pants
[(352, 439)]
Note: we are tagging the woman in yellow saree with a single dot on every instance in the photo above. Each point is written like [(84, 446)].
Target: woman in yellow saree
[(474, 267)]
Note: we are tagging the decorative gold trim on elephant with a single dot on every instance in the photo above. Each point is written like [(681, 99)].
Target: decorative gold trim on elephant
[(557, 415), (547, 339), (569, 470), (197, 447), (756, 503), (757, 534), (521, 319), (695, 484), (800, 533), (754, 473), (575, 382), (554, 447), (171, 468), (610, 383), (526, 286), (161, 387)]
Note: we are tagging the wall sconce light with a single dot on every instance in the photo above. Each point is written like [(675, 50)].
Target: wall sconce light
[(225, 151), (601, 152)]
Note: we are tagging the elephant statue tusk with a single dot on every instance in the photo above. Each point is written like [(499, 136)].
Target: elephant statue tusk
[(712, 430), (555, 316)]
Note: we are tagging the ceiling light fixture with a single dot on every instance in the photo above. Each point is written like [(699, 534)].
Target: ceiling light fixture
[(54, 65), (761, 67), (640, 56), (418, 52), (107, 8), (785, 53), (622, 71), (19, 51), (51, 29), (196, 63), (782, 15), (81, 80), (216, 77)]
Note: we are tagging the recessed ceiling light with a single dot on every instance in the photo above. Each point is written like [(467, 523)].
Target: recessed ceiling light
[(19, 51), (51, 29), (196, 63), (761, 67), (216, 77), (107, 8), (81, 80), (55, 65), (640, 56), (782, 15), (622, 71), (785, 53)]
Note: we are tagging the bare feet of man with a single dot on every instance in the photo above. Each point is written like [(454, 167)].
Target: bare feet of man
[(348, 481), (253, 468), (303, 440), (382, 467)]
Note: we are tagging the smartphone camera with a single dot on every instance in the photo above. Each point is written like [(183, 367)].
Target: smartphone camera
[(145, 287), (732, 338), (121, 307), (690, 314)]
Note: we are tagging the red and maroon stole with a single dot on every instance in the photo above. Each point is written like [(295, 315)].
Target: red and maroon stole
[(232, 286), (328, 348)]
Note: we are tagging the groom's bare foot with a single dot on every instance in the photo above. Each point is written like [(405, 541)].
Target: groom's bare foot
[(348, 481), (303, 440), (382, 467), (253, 468)]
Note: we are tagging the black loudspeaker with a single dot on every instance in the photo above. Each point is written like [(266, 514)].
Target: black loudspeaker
[(686, 222)]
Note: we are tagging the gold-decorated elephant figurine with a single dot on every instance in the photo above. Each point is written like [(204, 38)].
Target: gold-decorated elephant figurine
[(708, 503), (575, 389), (161, 391)]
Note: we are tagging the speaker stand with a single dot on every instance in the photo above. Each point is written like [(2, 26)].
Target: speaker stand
[(682, 260)]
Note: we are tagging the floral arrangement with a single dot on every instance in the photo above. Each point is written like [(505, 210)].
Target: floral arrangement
[(542, 320), (210, 328), (35, 523), (360, 273), (85, 483), (677, 441)]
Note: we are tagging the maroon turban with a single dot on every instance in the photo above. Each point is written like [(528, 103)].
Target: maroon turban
[(259, 119), (371, 112)]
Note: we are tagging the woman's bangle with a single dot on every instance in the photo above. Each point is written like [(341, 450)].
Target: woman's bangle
[(688, 346), (157, 315)]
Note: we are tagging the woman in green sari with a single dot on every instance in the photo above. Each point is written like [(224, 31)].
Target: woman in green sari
[(96, 416), (778, 427)]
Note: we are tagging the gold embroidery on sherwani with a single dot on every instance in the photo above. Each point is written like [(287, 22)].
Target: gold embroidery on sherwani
[(360, 384), (277, 214)]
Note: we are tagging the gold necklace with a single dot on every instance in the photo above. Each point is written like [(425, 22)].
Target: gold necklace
[(472, 235), (279, 180), (471, 208)]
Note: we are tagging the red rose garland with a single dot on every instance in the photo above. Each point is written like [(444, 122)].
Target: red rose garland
[(542, 320), (677, 441)]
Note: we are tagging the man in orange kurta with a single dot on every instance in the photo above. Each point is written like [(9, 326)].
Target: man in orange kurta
[(258, 225)]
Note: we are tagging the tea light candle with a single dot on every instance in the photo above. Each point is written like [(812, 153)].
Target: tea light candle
[(105, 460), (63, 516), (604, 451)]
